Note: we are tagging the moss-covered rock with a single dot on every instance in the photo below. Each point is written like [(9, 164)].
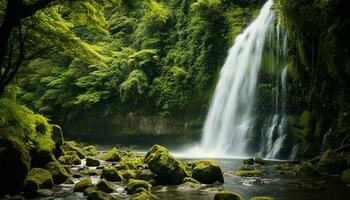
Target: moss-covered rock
[(248, 161), (145, 175), (90, 150), (168, 169), (90, 190), (133, 164), (44, 192), (331, 163), (57, 137), (15, 159), (82, 185), (259, 161), (111, 174), (69, 160), (144, 195), (191, 180), (73, 146), (255, 172), (43, 152), (345, 176), (111, 156), (306, 168), (59, 173), (99, 195), (262, 198), (37, 179), (227, 195), (154, 150), (134, 186), (128, 174), (207, 171), (92, 162), (105, 186)]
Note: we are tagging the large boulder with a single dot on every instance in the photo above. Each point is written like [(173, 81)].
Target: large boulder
[(207, 171), (92, 162), (59, 173), (73, 146), (331, 163), (105, 186), (14, 164), (111, 174), (137, 186), (37, 179), (57, 137), (82, 185), (168, 169), (90, 150), (227, 195), (43, 152), (111, 156)]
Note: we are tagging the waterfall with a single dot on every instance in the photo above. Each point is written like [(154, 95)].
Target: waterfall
[(228, 128)]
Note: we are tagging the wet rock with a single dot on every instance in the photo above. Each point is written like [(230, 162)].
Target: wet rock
[(37, 179), (188, 186), (262, 198), (227, 195), (248, 161), (73, 146), (105, 186), (191, 180), (82, 185), (168, 169), (90, 150), (306, 168), (93, 172), (145, 195), (59, 173), (255, 172), (294, 162), (89, 190), (145, 175), (69, 160), (99, 195), (128, 174), (44, 192), (69, 181), (259, 161), (57, 137), (92, 162), (345, 176), (111, 174), (331, 163), (136, 186), (207, 171), (111, 156), (77, 175)]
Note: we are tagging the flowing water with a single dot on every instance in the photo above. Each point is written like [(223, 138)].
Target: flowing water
[(228, 129)]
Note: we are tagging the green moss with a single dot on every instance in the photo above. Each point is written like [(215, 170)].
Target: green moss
[(128, 174), (111, 156), (134, 186), (304, 119), (249, 161), (259, 161), (227, 195), (99, 195), (331, 163), (154, 150), (146, 175), (37, 179), (111, 174), (208, 171), (306, 168), (82, 185), (59, 173), (69, 160), (89, 190), (144, 195), (90, 150), (255, 172), (262, 198), (168, 169), (73, 146), (57, 137), (345, 176), (105, 186)]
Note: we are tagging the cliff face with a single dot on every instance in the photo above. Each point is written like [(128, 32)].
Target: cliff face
[(318, 72)]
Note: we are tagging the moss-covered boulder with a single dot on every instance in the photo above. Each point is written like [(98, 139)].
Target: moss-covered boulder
[(90, 190), (90, 150), (259, 161), (144, 195), (99, 195), (207, 171), (154, 150), (331, 163), (345, 176), (248, 161), (134, 164), (262, 198), (128, 174), (43, 152), (137, 186), (92, 162), (254, 172), (57, 137), (306, 168), (59, 173), (82, 185), (37, 178), (14, 159), (105, 186), (111, 156), (227, 195), (73, 146), (69, 160), (145, 175), (111, 174), (168, 169)]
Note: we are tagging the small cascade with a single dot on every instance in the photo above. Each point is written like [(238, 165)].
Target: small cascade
[(232, 116), (325, 140)]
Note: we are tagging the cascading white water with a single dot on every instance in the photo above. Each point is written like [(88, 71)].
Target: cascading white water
[(230, 120)]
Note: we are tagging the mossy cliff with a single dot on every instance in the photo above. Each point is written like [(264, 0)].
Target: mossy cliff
[(318, 72)]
